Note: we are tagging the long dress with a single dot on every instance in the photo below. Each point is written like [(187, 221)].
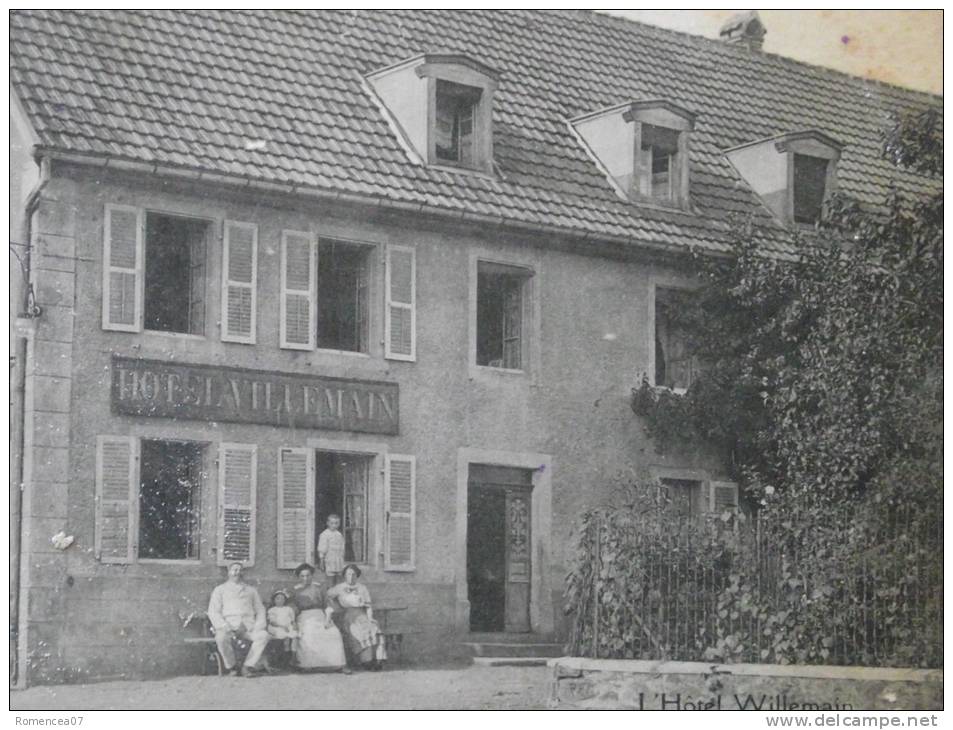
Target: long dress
[(362, 634), (320, 648)]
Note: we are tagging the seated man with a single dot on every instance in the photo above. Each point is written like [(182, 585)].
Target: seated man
[(236, 612)]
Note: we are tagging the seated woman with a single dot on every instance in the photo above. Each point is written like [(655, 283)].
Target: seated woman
[(319, 647), (364, 639)]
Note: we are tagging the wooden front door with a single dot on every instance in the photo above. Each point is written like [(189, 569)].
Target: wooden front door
[(499, 564), (518, 563)]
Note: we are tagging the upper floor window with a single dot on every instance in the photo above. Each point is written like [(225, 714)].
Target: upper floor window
[(675, 364), (502, 292), (175, 274), (343, 282), (793, 174), (441, 108), (326, 288), (155, 274), (642, 147)]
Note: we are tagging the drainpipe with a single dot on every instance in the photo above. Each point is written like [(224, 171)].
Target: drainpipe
[(17, 416)]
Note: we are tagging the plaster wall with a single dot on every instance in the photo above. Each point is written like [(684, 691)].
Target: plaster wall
[(85, 619)]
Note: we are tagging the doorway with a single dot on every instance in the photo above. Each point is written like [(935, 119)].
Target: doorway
[(341, 489), (498, 548)]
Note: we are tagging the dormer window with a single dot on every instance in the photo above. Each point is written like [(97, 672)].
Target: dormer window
[(794, 174), (456, 108), (441, 107), (810, 181), (658, 168), (642, 148)]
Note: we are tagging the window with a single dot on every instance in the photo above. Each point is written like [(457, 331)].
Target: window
[(342, 490), (685, 496), (342, 296), (659, 150), (154, 271), (810, 179), (675, 365), (171, 475), (175, 274), (501, 291), (454, 130), (642, 148), (314, 483), (440, 105), (793, 173), (326, 296), (148, 499)]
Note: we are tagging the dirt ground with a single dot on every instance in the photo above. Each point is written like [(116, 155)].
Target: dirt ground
[(470, 687)]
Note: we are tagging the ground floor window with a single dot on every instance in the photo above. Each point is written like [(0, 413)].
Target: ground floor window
[(685, 495), (170, 488), (341, 488)]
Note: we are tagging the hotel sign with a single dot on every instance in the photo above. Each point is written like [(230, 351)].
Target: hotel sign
[(161, 389)]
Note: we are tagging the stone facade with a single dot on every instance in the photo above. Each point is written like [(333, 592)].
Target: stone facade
[(567, 416)]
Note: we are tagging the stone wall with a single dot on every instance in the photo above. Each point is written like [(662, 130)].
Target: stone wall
[(612, 684)]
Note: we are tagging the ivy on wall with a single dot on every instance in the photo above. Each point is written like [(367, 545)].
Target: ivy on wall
[(821, 385)]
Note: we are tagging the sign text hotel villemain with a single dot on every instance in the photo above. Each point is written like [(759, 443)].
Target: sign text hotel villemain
[(237, 395)]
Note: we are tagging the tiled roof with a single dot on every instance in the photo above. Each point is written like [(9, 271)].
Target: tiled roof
[(192, 89)]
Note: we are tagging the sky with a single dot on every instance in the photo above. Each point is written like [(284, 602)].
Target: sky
[(902, 47)]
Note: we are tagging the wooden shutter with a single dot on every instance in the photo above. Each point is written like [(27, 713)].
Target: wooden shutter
[(197, 267), (239, 282), (513, 323), (298, 290), (399, 512), (237, 477), (117, 496), (295, 507), (123, 256), (400, 320), (724, 495)]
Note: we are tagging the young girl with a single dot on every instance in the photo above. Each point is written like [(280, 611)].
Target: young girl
[(281, 621)]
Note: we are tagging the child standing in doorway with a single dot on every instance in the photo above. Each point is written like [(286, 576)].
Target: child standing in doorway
[(331, 551)]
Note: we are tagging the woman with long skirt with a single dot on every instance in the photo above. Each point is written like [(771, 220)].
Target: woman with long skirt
[(320, 648), (364, 640)]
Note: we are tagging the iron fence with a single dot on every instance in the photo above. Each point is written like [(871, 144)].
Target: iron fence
[(746, 591)]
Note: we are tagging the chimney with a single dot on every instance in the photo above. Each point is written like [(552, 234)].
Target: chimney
[(745, 30)]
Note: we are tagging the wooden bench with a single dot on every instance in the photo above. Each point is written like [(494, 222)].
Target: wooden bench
[(214, 664)]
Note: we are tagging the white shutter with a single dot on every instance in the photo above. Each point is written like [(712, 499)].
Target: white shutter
[(399, 512), (237, 478), (295, 507), (123, 262), (239, 282), (117, 494), (724, 495), (298, 290), (400, 316)]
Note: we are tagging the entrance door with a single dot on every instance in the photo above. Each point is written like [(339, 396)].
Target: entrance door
[(498, 548)]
